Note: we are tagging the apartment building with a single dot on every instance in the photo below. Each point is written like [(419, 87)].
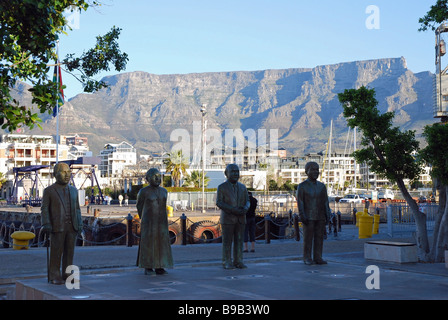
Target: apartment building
[(20, 150), (115, 158)]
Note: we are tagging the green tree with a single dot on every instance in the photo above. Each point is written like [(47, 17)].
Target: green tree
[(194, 179), (387, 151), (436, 154), (177, 164), (436, 15), (29, 31)]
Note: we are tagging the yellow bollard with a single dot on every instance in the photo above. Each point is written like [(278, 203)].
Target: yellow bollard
[(169, 209), (365, 225), (358, 214), (21, 239), (376, 223)]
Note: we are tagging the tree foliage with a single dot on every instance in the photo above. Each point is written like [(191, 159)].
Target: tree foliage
[(176, 163), (436, 15), (194, 179), (387, 150), (435, 152), (29, 31)]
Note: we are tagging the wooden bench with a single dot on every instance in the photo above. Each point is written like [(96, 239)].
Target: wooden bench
[(399, 252)]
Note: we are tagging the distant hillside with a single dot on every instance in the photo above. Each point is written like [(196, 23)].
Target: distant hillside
[(144, 108)]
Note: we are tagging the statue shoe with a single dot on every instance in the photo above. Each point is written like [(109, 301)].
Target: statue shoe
[(240, 265), (149, 271), (308, 262), (57, 281), (160, 271)]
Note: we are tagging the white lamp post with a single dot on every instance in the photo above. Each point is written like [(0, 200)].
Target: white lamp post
[(204, 124)]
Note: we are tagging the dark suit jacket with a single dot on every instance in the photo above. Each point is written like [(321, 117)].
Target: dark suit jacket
[(312, 201), (53, 208), (227, 202)]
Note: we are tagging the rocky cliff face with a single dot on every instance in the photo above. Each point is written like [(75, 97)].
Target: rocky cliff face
[(144, 108)]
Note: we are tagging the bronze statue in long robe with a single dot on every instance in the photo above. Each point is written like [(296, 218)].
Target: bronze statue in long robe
[(155, 247)]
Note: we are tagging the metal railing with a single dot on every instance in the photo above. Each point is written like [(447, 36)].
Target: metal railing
[(401, 221)]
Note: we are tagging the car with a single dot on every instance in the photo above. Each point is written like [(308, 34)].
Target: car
[(386, 194), (282, 199), (352, 198)]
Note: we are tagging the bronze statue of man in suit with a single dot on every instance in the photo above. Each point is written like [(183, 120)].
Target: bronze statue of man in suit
[(314, 212), (233, 200), (61, 217)]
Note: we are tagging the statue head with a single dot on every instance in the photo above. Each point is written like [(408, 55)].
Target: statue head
[(62, 173), (154, 177), (232, 173), (312, 170)]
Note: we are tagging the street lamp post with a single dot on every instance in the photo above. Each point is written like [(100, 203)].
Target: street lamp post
[(441, 100), (204, 124)]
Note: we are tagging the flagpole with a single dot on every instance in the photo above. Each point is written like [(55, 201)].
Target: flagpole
[(57, 103)]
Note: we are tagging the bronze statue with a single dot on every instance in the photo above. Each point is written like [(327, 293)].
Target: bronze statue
[(314, 212), (61, 217), (155, 247), (233, 200)]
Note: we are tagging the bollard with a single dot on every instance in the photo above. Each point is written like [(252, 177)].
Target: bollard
[(183, 224), (376, 224), (339, 220), (267, 229), (129, 234), (21, 239), (169, 210), (365, 225), (357, 216), (296, 227)]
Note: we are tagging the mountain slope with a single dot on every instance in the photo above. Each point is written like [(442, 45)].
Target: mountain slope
[(144, 108)]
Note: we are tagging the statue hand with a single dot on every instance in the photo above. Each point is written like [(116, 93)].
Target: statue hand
[(304, 219), (241, 211)]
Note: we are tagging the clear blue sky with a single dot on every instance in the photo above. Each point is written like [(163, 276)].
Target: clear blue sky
[(190, 36)]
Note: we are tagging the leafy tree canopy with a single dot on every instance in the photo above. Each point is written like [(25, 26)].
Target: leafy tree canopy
[(387, 150), (436, 15), (29, 31), (436, 151)]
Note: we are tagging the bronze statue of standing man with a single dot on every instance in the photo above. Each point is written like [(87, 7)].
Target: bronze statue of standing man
[(155, 246), (61, 217), (314, 212), (233, 200)]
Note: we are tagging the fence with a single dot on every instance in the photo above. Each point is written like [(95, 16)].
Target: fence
[(126, 231), (400, 219), (279, 203)]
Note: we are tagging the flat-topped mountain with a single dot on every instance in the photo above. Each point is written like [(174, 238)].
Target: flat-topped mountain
[(144, 108)]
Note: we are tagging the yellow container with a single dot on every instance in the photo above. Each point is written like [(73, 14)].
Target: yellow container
[(365, 226), (21, 239), (376, 223), (358, 214), (169, 210)]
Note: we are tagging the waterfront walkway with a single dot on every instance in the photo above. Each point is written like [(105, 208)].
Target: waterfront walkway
[(275, 272)]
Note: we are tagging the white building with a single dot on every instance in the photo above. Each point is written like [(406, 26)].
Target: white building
[(21, 150), (115, 157)]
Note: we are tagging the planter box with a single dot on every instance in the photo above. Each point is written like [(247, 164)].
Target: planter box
[(399, 252)]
